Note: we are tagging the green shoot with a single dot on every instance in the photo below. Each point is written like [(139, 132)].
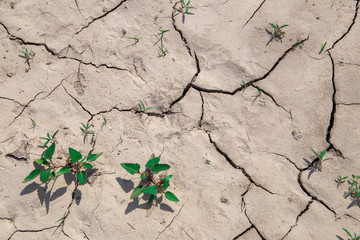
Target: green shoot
[(162, 50), (258, 95), (63, 218), (258, 89), (103, 124), (245, 85), (207, 161), (355, 237), (27, 55), (341, 180), (134, 38), (322, 48), (277, 33), (298, 43), (142, 107), (185, 7), (162, 32), (151, 185), (86, 130), (49, 138), (320, 158), (354, 188), (33, 124), (123, 31)]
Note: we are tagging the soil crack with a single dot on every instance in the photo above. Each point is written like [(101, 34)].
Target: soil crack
[(172, 220), (254, 13)]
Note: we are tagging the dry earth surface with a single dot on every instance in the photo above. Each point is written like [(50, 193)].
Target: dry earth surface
[(240, 154)]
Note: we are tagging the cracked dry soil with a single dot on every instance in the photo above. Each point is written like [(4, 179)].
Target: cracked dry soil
[(241, 161)]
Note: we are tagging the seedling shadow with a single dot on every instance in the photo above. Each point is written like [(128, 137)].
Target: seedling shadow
[(354, 203), (313, 166), (126, 185), (339, 238), (27, 60), (158, 201), (272, 37), (45, 195)]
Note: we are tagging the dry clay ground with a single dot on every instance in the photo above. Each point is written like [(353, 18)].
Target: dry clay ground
[(259, 182)]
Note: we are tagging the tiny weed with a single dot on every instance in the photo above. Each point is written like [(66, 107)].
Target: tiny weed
[(123, 31), (355, 237), (86, 130), (259, 91), (142, 108), (76, 163), (49, 139), (33, 124), (134, 38), (62, 218), (151, 186), (185, 7), (298, 44), (245, 85), (322, 48), (354, 188), (103, 124), (162, 32), (258, 95), (277, 33), (162, 49), (320, 158), (340, 180), (27, 55), (207, 161)]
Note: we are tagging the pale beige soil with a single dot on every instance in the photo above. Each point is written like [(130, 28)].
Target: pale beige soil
[(260, 182)]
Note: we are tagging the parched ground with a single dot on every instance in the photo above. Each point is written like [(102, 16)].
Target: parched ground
[(235, 115)]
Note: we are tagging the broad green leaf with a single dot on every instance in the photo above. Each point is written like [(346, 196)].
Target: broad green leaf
[(322, 154), (49, 152), (165, 185), (160, 167), (32, 175), (81, 176), (87, 166), (136, 192), (74, 155), (169, 195), (132, 168), (93, 157), (63, 170), (167, 177), (44, 174), (152, 190), (151, 198), (152, 162), (52, 175), (41, 161)]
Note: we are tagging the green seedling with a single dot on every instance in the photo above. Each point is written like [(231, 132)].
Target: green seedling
[(49, 138), (104, 121), (277, 33), (341, 180), (207, 161), (185, 7), (76, 164), (162, 32), (151, 186), (320, 158), (123, 31), (162, 50), (62, 218), (355, 237), (258, 95), (134, 38), (27, 55), (142, 107), (86, 130), (245, 85), (322, 48), (298, 44), (354, 188), (259, 90), (33, 124)]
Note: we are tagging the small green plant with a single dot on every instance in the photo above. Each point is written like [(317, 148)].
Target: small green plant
[(340, 180), (354, 188), (244, 84), (162, 32), (134, 38), (355, 237), (277, 33), (258, 95), (86, 130), (162, 50), (49, 138), (320, 158), (142, 108), (207, 161), (27, 55), (185, 7), (322, 48), (123, 31), (298, 44), (33, 124), (151, 186), (259, 90), (76, 163)]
